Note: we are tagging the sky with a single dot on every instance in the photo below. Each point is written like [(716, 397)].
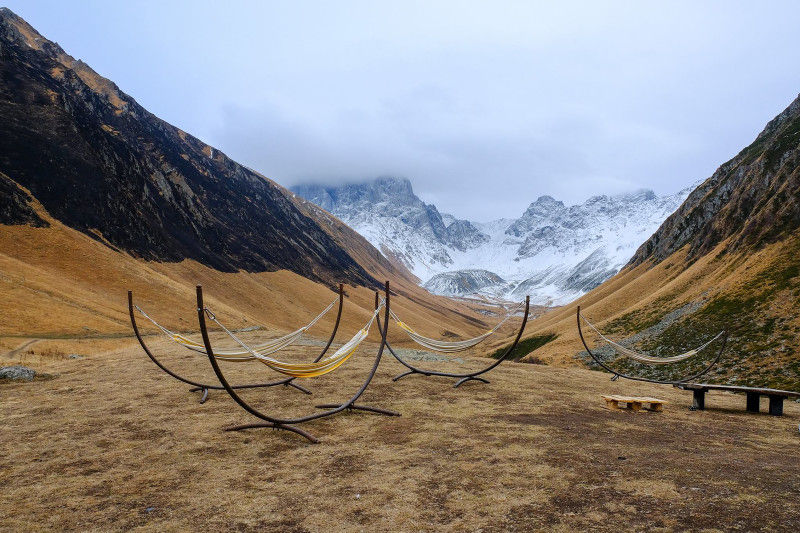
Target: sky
[(484, 106)]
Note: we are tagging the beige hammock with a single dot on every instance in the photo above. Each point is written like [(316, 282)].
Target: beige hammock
[(267, 348), (645, 358), (439, 345)]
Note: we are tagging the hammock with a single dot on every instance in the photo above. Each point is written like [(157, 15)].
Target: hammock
[(645, 358), (306, 370), (266, 348), (438, 345)]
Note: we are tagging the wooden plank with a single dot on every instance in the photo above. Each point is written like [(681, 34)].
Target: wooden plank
[(738, 388), (634, 403)]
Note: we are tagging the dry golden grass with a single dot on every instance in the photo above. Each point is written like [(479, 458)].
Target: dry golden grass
[(56, 282), (113, 443), (635, 289)]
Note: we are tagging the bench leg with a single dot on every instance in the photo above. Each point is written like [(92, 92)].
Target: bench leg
[(753, 401), (776, 405), (698, 400)]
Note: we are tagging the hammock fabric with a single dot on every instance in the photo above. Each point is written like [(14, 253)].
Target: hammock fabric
[(438, 345), (305, 370), (649, 359), (288, 424), (266, 348)]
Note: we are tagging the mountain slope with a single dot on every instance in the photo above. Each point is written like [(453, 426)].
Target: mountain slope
[(753, 199), (553, 252), (729, 258), (100, 163), (97, 195)]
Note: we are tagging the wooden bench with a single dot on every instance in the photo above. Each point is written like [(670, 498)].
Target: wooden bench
[(634, 403), (754, 395)]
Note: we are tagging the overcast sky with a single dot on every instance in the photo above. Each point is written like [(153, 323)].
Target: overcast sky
[(483, 105)]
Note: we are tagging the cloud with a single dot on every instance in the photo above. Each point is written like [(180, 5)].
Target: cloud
[(484, 106)]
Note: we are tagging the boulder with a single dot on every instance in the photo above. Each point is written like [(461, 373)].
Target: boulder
[(17, 372)]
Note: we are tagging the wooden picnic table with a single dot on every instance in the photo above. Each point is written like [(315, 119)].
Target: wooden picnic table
[(754, 394)]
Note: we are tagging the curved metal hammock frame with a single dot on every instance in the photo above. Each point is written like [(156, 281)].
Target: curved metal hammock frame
[(198, 386), (649, 359), (288, 424), (462, 377)]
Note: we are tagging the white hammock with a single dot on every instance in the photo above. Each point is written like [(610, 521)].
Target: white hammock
[(307, 370), (266, 348), (438, 345), (645, 358)]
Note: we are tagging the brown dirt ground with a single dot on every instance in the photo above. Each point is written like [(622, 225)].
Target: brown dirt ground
[(112, 443)]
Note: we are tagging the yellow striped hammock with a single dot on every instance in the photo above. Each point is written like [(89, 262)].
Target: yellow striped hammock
[(304, 370)]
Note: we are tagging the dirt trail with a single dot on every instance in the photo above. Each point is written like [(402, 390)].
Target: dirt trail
[(15, 351)]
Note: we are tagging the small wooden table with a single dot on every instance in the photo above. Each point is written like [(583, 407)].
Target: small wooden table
[(634, 403), (754, 395)]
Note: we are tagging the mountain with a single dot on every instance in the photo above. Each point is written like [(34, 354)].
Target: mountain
[(388, 213), (98, 195), (728, 258), (751, 200), (100, 163), (553, 252)]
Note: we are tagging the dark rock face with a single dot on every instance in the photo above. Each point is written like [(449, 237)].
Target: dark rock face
[(753, 199), (102, 164), (15, 205)]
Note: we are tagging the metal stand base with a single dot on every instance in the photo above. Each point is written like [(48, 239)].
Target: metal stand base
[(356, 407), (463, 379), (469, 378), (408, 373), (204, 397), (284, 427), (205, 390)]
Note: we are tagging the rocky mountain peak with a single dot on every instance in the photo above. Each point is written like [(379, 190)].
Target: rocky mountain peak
[(388, 212), (544, 205)]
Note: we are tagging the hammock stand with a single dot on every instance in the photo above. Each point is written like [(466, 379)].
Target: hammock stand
[(205, 387), (287, 424), (618, 374), (466, 376)]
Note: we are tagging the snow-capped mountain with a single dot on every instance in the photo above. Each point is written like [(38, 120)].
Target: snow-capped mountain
[(553, 252)]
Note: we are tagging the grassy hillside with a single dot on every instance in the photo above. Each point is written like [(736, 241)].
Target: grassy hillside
[(753, 296)]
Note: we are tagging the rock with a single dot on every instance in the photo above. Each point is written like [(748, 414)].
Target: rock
[(149, 188), (17, 372), (75, 356)]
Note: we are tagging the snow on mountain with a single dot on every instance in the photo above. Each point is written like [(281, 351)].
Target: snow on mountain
[(466, 282), (553, 252)]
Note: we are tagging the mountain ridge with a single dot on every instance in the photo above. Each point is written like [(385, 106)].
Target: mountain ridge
[(731, 203), (552, 251)]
